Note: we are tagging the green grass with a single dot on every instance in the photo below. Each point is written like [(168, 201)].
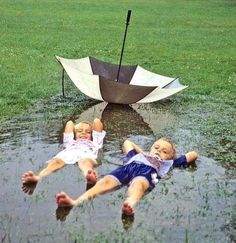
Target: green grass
[(191, 39)]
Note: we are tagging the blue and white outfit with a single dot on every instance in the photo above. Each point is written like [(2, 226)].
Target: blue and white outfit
[(75, 150), (143, 165)]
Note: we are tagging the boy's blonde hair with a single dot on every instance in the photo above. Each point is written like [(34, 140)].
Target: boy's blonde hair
[(172, 145)]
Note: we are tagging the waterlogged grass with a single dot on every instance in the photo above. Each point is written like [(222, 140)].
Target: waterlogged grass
[(193, 205)]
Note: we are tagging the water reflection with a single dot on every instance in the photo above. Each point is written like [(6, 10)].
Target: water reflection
[(62, 212), (158, 117), (138, 122), (122, 121), (119, 120), (127, 221)]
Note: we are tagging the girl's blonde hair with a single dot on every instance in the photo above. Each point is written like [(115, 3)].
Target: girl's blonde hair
[(84, 122)]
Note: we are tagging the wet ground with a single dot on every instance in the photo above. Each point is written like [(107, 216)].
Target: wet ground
[(193, 205)]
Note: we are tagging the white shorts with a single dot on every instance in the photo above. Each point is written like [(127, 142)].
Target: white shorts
[(73, 157)]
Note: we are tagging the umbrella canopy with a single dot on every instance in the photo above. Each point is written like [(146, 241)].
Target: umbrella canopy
[(97, 79)]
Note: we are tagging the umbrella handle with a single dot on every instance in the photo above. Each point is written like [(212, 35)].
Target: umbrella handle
[(128, 17), (121, 55)]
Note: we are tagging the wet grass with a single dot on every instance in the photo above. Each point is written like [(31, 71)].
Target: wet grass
[(193, 40)]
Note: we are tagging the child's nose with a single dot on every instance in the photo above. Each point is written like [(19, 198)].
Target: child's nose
[(158, 152)]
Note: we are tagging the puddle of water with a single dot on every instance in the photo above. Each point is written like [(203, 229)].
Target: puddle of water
[(193, 205)]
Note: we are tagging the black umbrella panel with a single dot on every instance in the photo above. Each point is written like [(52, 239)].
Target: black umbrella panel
[(97, 79)]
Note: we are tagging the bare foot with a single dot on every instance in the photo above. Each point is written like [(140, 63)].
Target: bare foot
[(29, 181), (29, 177), (127, 209), (63, 200), (91, 177)]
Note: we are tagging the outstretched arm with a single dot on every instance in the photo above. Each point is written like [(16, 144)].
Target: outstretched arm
[(128, 146), (185, 160), (97, 125)]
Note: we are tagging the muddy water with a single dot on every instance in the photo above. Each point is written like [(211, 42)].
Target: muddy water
[(193, 205)]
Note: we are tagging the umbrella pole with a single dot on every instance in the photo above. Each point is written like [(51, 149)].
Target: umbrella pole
[(122, 50), (62, 82)]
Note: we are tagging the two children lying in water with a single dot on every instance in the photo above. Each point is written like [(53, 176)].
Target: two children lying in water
[(140, 172)]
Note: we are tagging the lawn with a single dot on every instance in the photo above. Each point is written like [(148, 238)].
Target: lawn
[(191, 39)]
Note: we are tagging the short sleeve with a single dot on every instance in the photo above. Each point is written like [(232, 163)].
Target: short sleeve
[(128, 156), (98, 138), (68, 138), (181, 162)]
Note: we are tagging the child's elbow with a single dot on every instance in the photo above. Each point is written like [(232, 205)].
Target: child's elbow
[(69, 123), (127, 141), (191, 156), (97, 125), (127, 146), (97, 120)]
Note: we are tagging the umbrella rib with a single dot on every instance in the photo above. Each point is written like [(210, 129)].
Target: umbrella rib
[(170, 82)]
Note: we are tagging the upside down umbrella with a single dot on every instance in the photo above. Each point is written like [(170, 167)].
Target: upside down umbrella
[(97, 79), (118, 83)]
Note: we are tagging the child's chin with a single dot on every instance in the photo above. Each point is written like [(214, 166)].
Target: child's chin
[(158, 157)]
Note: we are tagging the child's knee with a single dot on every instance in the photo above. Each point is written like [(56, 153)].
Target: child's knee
[(140, 184), (88, 162), (105, 180)]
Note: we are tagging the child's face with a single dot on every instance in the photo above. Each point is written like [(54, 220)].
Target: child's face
[(83, 131), (162, 149)]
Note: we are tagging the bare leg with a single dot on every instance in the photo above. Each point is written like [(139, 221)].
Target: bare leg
[(52, 166), (30, 179), (87, 168), (104, 185), (135, 193)]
